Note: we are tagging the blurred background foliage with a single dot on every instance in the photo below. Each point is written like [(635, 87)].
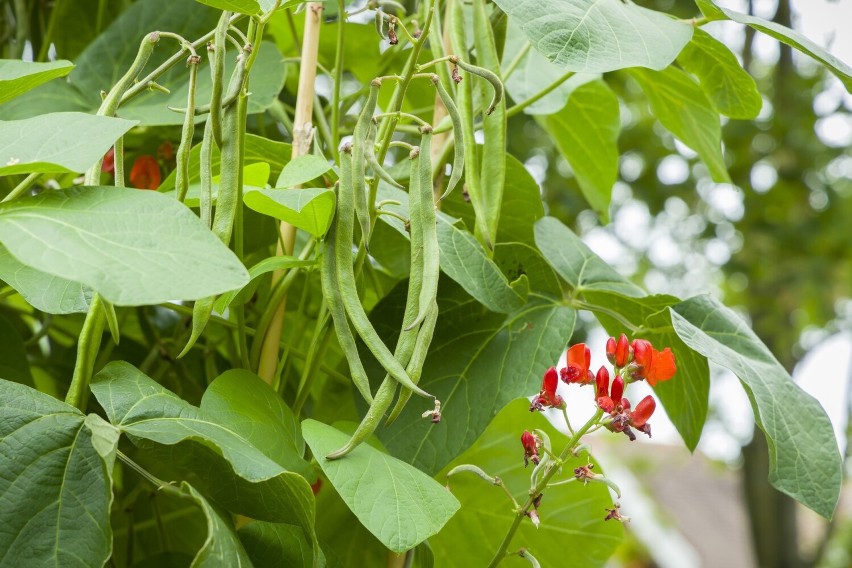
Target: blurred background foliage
[(775, 243)]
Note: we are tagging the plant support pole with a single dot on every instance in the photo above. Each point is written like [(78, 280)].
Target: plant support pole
[(302, 129)]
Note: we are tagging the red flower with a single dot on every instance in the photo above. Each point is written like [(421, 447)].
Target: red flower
[(530, 444), (577, 371), (640, 415), (618, 352), (652, 364), (108, 165), (547, 397), (145, 173), (602, 382)]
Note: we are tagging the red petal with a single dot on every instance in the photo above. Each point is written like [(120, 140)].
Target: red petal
[(617, 390), (622, 351), (551, 379), (580, 356), (643, 353), (145, 173), (662, 366), (643, 411), (605, 403), (602, 382)]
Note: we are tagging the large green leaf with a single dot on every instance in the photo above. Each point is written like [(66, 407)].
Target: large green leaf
[(43, 291), (478, 362), (210, 445), (270, 545), (595, 36), (572, 531), (133, 247), (18, 77), (57, 142), (682, 107), (222, 547), (784, 35), (804, 461), (310, 209), (397, 502), (586, 133), (56, 485), (250, 7), (731, 90), (622, 307), (521, 202), (14, 365), (251, 408)]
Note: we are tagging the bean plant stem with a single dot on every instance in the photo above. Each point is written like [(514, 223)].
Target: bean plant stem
[(338, 79), (21, 187), (542, 483), (302, 129)]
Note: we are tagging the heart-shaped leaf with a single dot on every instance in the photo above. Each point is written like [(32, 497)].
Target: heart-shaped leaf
[(397, 502), (133, 247)]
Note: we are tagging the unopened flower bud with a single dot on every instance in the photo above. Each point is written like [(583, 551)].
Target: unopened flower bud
[(602, 382), (622, 351), (610, 350), (617, 389)]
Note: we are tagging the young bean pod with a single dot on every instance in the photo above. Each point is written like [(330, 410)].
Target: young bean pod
[(185, 146), (329, 276), (371, 420), (425, 217), (219, 42), (359, 139), (418, 357), (370, 150), (345, 221), (486, 74), (458, 135), (206, 175)]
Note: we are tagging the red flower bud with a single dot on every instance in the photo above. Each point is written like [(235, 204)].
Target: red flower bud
[(642, 353), (610, 350), (547, 396), (617, 389), (602, 382), (530, 444), (622, 351), (108, 165)]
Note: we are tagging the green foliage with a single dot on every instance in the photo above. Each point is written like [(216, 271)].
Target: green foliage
[(223, 421)]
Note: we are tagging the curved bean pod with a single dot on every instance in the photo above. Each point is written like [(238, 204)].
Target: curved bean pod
[(359, 139), (486, 74), (458, 135), (185, 146)]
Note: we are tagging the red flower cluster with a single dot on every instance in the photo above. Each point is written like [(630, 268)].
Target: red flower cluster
[(611, 400)]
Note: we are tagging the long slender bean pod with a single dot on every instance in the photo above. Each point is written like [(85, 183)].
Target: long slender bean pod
[(185, 146), (371, 420), (87, 351), (458, 135), (426, 219), (370, 150), (418, 358), (488, 75), (359, 138), (206, 175), (344, 233), (329, 276), (219, 42)]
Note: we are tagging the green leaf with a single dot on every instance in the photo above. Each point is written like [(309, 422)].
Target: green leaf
[(586, 133), (576, 263), (222, 547), (399, 504), (270, 545), (731, 90), (534, 74), (14, 365), (621, 306), (478, 362), (310, 209), (522, 198), (804, 461), (42, 291), (133, 247), (302, 170), (519, 259), (263, 267), (210, 445), (596, 36), (250, 407), (682, 107), (254, 175), (257, 149), (250, 7), (56, 486), (572, 531), (783, 34), (57, 142), (464, 260), (18, 77)]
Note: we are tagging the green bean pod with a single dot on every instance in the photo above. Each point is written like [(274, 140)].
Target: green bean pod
[(370, 151), (206, 175), (371, 420), (359, 143), (380, 24), (219, 43), (185, 146), (425, 216), (489, 76), (343, 250), (111, 320), (458, 135), (418, 358), (329, 276)]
